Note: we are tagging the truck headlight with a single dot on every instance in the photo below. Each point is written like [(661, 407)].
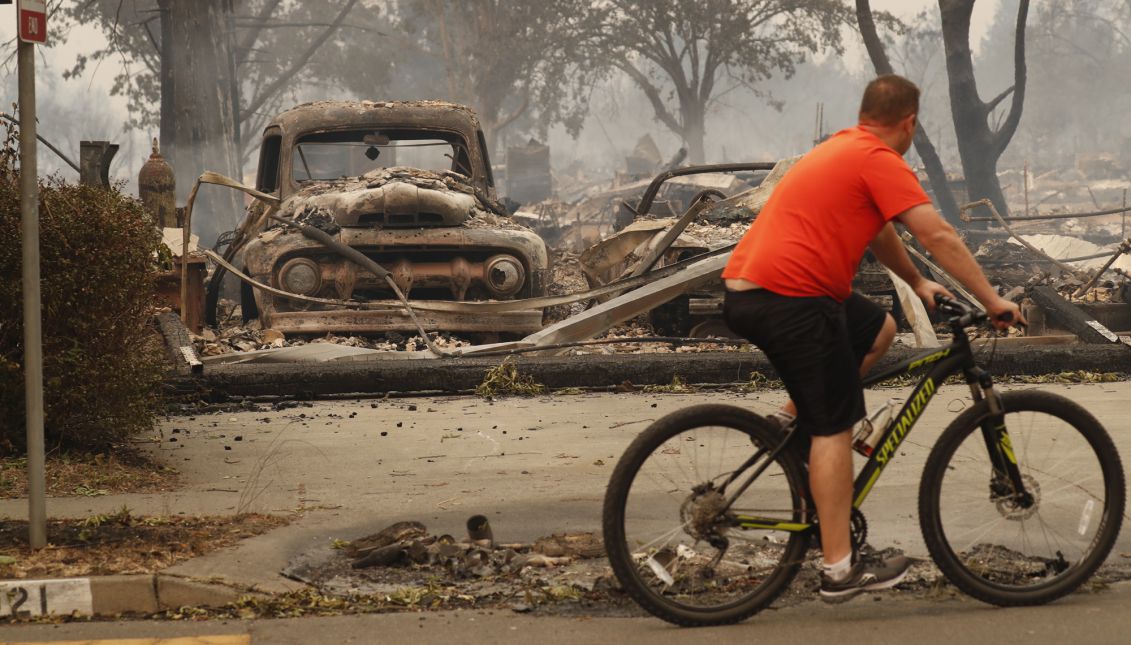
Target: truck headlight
[(301, 275), (504, 275)]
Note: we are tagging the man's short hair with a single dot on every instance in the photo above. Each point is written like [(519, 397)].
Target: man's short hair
[(887, 99)]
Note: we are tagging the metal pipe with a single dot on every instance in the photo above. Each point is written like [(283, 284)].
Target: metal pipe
[(654, 188), (954, 283), (33, 331), (1036, 218), (993, 211), (1123, 248)]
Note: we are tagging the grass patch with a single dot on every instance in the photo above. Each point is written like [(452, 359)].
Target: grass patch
[(677, 386), (759, 381), (1075, 376), (120, 543), (505, 379), (89, 476)]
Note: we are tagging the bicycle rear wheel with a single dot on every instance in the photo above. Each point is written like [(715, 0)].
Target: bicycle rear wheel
[(669, 543), (1000, 547)]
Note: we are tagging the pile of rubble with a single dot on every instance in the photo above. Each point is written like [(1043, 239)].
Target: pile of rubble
[(401, 555), (567, 278), (234, 335)]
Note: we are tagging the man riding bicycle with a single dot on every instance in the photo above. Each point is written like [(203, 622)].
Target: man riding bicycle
[(789, 292)]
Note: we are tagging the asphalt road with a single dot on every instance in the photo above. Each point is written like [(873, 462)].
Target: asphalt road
[(534, 466), (1100, 619)]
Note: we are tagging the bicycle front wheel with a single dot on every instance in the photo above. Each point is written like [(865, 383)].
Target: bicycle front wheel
[(1013, 549), (675, 546)]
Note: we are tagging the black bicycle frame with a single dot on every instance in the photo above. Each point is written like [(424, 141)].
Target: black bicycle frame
[(944, 362)]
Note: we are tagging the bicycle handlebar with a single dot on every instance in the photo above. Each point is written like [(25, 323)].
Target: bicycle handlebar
[(963, 315)]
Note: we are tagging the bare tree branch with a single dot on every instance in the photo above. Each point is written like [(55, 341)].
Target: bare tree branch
[(286, 77), (513, 116), (1005, 133), (998, 99), (247, 43), (653, 95)]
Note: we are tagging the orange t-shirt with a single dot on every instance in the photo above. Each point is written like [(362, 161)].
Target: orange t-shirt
[(810, 236)]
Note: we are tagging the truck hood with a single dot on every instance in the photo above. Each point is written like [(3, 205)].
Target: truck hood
[(389, 198)]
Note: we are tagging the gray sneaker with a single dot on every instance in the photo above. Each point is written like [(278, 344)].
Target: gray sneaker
[(780, 421), (868, 573)]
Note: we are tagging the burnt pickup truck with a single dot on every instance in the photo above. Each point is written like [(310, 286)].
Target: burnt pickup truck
[(409, 185)]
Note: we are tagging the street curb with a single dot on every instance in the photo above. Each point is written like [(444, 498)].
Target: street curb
[(451, 375), (119, 594)]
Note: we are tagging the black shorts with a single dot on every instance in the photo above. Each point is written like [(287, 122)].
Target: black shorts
[(816, 346)]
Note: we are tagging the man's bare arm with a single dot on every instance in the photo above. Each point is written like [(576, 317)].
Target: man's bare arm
[(951, 253), (888, 249)]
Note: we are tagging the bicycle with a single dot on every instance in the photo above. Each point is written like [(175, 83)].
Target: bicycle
[(1017, 516)]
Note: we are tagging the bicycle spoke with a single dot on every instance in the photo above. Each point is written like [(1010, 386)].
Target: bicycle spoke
[(1022, 548), (684, 551)]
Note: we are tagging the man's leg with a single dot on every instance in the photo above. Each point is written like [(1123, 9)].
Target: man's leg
[(880, 346), (830, 482), (830, 467)]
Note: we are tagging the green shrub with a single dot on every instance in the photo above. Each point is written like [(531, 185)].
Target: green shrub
[(101, 360)]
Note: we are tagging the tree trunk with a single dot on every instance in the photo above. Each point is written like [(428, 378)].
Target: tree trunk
[(167, 67), (978, 145), (694, 133), (936, 174), (204, 123)]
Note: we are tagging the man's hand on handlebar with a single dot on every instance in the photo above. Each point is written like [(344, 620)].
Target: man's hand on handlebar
[(927, 290), (1004, 313), (1000, 312)]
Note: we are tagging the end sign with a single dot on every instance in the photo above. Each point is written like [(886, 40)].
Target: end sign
[(33, 20)]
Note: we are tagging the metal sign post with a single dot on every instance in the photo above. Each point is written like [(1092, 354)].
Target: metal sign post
[(33, 29)]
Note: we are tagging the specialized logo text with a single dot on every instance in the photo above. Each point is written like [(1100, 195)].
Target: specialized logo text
[(906, 420)]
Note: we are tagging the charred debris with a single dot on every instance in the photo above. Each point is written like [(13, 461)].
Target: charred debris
[(379, 228)]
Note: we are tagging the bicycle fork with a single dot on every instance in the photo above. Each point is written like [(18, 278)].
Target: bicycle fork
[(1006, 481)]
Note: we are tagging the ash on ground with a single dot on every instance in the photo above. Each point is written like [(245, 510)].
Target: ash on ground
[(562, 574)]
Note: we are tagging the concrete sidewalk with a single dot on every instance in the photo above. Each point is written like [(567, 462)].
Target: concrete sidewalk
[(534, 466)]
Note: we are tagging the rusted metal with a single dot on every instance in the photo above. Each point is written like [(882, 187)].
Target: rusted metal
[(370, 321), (600, 318), (698, 203), (1124, 247), (437, 233), (653, 189), (328, 116), (94, 162), (157, 189), (473, 308)]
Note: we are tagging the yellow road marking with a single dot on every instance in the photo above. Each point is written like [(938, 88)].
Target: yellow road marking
[(225, 639)]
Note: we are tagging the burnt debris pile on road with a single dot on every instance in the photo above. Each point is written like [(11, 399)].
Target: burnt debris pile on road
[(404, 557), (405, 565)]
